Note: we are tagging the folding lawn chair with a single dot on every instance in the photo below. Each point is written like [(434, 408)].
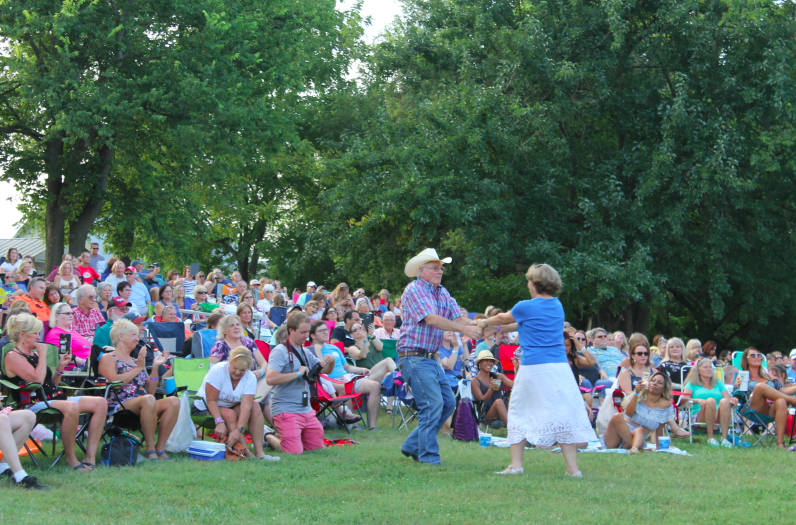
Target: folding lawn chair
[(168, 336), (190, 373), (49, 416), (404, 402), (202, 341), (325, 404), (277, 315), (751, 420)]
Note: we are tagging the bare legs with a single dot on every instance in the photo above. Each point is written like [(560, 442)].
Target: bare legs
[(372, 389), (14, 431), (499, 410), (778, 409), (255, 423), (709, 413), (98, 408), (148, 410), (569, 450)]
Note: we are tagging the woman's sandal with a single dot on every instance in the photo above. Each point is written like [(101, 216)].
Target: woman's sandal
[(84, 467), (633, 450), (389, 412), (509, 471), (151, 452), (163, 453)]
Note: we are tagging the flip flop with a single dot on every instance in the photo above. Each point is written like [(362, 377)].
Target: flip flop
[(83, 467), (162, 453), (151, 452)]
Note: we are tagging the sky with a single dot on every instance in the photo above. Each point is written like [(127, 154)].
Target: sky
[(382, 12)]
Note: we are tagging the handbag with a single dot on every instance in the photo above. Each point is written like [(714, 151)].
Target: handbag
[(184, 430)]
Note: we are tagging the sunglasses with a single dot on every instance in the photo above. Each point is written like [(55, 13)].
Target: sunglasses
[(580, 338), (201, 293), (128, 273), (641, 353), (755, 356)]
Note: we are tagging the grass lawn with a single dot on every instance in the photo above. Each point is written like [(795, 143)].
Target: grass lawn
[(373, 483)]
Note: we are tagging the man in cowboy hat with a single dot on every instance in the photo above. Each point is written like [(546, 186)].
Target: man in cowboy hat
[(428, 310)]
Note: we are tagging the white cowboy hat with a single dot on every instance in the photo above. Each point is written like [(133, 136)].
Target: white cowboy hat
[(427, 255)]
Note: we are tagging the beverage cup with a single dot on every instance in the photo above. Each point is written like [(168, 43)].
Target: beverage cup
[(663, 442), (486, 440)]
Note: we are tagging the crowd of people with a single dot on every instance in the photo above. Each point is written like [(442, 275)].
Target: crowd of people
[(344, 336)]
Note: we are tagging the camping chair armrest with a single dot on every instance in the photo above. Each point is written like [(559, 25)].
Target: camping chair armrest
[(30, 387), (350, 361)]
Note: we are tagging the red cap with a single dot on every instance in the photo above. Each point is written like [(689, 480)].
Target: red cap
[(130, 269), (118, 302)]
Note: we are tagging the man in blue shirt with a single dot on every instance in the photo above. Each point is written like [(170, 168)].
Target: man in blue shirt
[(608, 358), (139, 293)]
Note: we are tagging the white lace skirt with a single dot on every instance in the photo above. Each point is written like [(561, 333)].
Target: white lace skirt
[(547, 407)]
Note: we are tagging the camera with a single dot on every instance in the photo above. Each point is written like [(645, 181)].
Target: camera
[(313, 373)]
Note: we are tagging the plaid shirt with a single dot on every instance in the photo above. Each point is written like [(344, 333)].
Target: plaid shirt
[(84, 324), (421, 299)]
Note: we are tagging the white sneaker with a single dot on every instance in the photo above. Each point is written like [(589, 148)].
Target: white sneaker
[(726, 444), (577, 474), (712, 442)]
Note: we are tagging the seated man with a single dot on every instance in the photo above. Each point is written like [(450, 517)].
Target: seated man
[(34, 299), (139, 293), (142, 275), (388, 331), (289, 363), (87, 317), (609, 358), (234, 297), (117, 309), (342, 334), (87, 274), (303, 298)]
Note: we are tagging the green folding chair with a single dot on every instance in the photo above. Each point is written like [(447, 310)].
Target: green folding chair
[(190, 373), (48, 417), (390, 349)]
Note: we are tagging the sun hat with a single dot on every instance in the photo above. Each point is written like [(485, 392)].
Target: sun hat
[(484, 354), (427, 255)]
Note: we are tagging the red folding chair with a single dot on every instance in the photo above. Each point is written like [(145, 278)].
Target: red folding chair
[(264, 348), (325, 404)]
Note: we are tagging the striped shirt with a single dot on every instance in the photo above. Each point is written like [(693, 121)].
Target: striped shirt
[(189, 286), (421, 299)]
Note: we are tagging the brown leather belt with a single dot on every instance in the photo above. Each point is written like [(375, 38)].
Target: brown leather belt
[(417, 353)]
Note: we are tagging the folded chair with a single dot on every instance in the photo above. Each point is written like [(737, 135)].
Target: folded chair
[(202, 341), (277, 314)]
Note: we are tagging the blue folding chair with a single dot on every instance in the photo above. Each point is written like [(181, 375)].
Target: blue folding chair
[(202, 341), (168, 336), (277, 314)]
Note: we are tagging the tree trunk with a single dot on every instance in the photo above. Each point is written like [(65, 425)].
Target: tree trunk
[(79, 228), (54, 219)]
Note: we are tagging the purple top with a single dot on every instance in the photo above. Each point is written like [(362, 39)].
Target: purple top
[(421, 299), (221, 350)]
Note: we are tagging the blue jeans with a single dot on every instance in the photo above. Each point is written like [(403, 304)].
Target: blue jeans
[(435, 403)]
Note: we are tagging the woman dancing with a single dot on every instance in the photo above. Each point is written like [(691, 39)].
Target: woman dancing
[(546, 406)]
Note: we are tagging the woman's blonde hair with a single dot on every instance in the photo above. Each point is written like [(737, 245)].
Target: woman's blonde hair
[(625, 342), (54, 311), (669, 343), (545, 279), (120, 328), (241, 358), (690, 349), (178, 287), (63, 264), (312, 303), (19, 305), (23, 324), (224, 324), (694, 378)]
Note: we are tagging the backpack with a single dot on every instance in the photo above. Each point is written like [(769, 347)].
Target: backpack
[(121, 450), (464, 423)]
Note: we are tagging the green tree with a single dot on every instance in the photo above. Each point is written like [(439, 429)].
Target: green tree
[(643, 149), (166, 87)]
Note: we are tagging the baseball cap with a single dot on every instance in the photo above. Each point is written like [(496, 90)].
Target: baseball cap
[(137, 261), (130, 269), (793, 354), (255, 282), (118, 302), (136, 319), (312, 283)]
